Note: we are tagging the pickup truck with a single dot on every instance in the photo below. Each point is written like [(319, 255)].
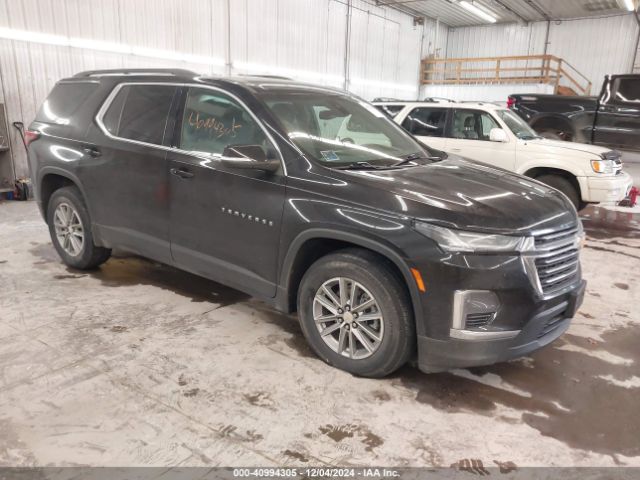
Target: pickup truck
[(612, 119)]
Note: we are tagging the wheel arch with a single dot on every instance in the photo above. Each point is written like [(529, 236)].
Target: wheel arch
[(574, 179), (313, 244), (52, 179)]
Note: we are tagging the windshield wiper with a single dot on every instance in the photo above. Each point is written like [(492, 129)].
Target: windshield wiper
[(361, 166), (412, 157)]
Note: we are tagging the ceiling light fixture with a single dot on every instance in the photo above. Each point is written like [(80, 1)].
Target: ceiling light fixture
[(109, 47), (629, 5), (478, 12)]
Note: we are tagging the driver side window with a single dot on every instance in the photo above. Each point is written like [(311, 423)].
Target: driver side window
[(213, 121)]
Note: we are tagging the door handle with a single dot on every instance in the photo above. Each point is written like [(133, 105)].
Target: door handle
[(91, 151), (455, 149), (181, 172)]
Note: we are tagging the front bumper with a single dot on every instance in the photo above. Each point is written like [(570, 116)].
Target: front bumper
[(607, 189), (550, 320)]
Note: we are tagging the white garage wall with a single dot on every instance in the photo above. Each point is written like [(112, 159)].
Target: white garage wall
[(594, 46), (434, 42), (303, 39), (496, 40)]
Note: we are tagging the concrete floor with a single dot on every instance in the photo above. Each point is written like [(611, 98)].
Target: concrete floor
[(140, 364)]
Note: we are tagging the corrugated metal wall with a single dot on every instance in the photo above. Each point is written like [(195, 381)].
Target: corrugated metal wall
[(304, 39), (484, 92), (434, 42), (496, 40), (594, 46)]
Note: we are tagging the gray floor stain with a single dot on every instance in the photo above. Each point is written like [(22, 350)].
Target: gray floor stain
[(179, 378), (605, 224), (565, 385)]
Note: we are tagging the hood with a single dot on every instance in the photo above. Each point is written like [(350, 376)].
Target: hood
[(559, 146), (467, 195)]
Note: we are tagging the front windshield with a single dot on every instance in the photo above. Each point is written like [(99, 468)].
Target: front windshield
[(340, 130), (518, 126)]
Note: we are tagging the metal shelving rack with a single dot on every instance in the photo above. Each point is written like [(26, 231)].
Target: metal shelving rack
[(7, 173)]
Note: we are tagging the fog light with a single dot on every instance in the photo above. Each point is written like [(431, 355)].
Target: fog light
[(473, 308), (473, 313)]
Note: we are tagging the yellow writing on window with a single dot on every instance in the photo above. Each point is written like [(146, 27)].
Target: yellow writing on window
[(213, 125)]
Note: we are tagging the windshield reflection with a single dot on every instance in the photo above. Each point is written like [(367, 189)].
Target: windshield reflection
[(340, 130)]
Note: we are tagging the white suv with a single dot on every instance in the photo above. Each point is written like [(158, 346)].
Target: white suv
[(492, 134)]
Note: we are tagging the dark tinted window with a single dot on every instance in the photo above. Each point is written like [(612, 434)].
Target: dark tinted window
[(213, 121), (63, 101), (139, 112), (628, 90), (426, 121), (391, 110)]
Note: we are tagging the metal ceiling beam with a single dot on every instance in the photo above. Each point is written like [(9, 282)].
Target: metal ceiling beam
[(399, 6), (392, 3), (512, 11), (538, 9)]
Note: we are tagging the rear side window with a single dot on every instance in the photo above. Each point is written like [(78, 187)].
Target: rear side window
[(63, 101), (628, 90), (140, 112), (426, 122)]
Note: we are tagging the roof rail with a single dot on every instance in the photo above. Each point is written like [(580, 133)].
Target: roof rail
[(137, 71), (482, 102), (275, 77)]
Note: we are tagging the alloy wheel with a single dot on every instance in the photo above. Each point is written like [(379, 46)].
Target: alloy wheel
[(69, 229), (348, 318)]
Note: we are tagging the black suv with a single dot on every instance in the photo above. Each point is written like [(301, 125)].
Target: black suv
[(312, 200)]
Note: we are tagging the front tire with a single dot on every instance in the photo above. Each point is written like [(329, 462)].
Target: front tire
[(70, 230), (356, 313), (566, 187)]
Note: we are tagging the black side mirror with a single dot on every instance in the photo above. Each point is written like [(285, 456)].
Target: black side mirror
[(251, 157)]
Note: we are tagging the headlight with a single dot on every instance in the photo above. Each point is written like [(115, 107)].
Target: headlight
[(602, 166), (462, 241)]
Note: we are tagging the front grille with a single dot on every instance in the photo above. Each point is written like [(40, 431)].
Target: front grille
[(477, 320), (557, 259), (617, 159)]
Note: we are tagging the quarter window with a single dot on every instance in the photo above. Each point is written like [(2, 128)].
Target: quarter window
[(213, 121), (63, 101), (426, 122), (472, 125), (628, 90), (140, 112)]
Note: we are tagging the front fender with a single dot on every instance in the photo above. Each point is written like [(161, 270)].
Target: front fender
[(377, 245), (565, 166)]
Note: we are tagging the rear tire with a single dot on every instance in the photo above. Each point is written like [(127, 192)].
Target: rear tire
[(70, 230), (372, 332), (566, 187)]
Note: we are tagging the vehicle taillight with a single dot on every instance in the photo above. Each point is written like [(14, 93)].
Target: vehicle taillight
[(511, 102), (30, 136)]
